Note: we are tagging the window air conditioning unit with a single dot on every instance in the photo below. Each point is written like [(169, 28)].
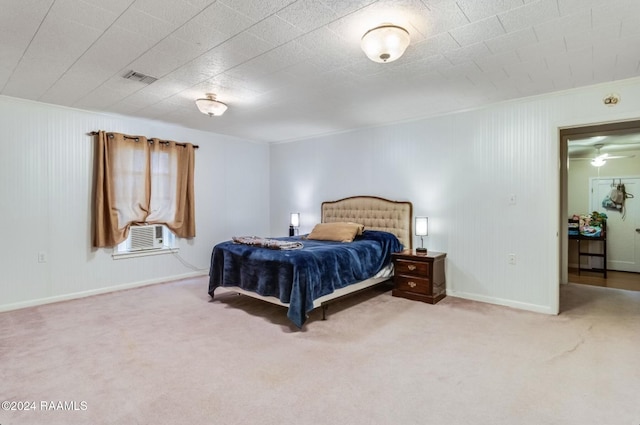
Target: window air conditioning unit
[(145, 237)]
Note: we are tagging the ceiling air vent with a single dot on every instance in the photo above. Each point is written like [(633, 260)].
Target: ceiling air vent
[(137, 76)]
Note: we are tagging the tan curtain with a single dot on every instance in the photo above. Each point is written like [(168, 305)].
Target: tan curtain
[(138, 182), (172, 191)]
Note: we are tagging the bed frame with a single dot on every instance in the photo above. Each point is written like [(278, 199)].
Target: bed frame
[(375, 214)]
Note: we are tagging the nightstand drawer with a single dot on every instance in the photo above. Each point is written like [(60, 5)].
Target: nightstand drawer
[(413, 268), (412, 284)]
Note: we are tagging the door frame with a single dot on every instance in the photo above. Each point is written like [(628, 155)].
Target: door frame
[(565, 133)]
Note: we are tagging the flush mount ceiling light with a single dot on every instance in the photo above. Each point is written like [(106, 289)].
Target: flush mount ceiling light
[(385, 43), (210, 106)]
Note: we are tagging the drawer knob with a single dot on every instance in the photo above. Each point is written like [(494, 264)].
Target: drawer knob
[(411, 267), (412, 284)]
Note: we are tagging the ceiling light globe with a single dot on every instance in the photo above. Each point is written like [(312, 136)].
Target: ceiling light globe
[(385, 43), (210, 106)]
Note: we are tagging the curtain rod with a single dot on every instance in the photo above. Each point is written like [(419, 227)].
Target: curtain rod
[(94, 133)]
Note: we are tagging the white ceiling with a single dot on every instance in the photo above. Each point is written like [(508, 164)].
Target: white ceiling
[(293, 69)]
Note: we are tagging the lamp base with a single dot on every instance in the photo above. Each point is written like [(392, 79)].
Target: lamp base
[(421, 250)]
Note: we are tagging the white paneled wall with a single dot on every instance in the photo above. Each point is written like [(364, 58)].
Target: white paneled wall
[(46, 172), (460, 170)]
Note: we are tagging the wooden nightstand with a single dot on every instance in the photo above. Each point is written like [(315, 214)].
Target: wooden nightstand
[(419, 276)]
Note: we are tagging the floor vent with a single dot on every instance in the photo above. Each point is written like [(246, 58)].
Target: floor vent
[(137, 76)]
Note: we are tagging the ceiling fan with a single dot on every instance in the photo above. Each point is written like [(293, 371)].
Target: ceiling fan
[(601, 158)]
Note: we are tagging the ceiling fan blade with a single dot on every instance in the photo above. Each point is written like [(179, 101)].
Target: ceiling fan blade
[(603, 157), (621, 156), (600, 157)]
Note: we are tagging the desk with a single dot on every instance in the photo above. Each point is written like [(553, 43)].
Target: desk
[(602, 239)]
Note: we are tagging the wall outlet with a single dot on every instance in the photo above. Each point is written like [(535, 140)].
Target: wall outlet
[(42, 257), (511, 259)]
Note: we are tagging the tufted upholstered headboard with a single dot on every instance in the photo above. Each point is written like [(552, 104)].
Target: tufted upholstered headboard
[(374, 213)]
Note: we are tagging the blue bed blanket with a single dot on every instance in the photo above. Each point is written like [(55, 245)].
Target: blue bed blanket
[(298, 277)]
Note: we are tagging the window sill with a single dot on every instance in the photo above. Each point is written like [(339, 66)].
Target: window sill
[(145, 253)]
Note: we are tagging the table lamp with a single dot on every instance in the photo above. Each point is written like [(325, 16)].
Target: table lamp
[(422, 229), (294, 223)]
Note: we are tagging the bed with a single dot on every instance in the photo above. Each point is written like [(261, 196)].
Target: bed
[(321, 271)]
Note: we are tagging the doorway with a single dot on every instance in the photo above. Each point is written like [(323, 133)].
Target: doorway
[(584, 185)]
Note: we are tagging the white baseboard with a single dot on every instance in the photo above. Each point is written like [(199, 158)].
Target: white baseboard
[(84, 294), (499, 301)]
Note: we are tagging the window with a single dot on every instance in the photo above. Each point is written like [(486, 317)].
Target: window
[(142, 181)]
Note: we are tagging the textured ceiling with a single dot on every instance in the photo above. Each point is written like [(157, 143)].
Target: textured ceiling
[(293, 69)]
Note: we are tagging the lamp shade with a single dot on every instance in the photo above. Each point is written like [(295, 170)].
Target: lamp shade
[(385, 43), (295, 219), (422, 226), (210, 106)]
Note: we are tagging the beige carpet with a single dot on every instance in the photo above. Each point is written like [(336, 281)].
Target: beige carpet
[(164, 354)]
